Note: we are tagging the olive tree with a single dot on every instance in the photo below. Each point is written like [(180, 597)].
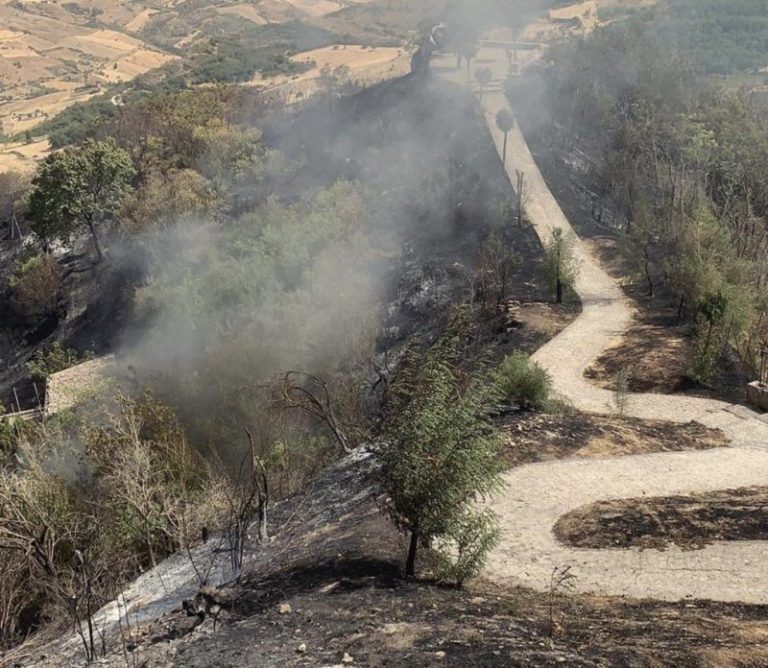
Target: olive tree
[(560, 265), (442, 455), (79, 188)]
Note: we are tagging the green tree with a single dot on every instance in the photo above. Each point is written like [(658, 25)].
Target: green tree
[(441, 455), (45, 363), (505, 121), (560, 264), (79, 188)]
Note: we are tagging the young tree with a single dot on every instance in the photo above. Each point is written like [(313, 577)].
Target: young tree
[(483, 76), (441, 454), (79, 188), (497, 265), (560, 264), (505, 121), (467, 51)]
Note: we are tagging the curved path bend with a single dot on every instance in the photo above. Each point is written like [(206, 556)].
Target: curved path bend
[(538, 494)]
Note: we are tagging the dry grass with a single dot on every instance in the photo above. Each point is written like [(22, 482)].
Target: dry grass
[(45, 47), (355, 63), (22, 157), (139, 21)]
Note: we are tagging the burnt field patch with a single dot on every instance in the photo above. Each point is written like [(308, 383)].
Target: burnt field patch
[(690, 522), (533, 437)]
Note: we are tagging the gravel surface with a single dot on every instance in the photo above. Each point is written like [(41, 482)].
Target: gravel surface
[(538, 494)]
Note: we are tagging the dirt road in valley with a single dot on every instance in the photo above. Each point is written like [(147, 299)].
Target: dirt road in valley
[(538, 494)]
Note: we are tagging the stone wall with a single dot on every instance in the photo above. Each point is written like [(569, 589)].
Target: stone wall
[(757, 395), (66, 388)]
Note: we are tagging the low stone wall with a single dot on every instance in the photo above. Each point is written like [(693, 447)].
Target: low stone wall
[(757, 395), (66, 388)]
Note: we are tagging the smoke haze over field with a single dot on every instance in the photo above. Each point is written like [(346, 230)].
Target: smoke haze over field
[(272, 283)]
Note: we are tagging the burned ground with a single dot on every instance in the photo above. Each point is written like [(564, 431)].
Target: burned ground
[(533, 437), (327, 590), (690, 522)]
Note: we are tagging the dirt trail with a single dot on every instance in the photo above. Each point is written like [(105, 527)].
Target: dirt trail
[(539, 494)]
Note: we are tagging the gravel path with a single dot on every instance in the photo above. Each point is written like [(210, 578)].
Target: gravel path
[(538, 494)]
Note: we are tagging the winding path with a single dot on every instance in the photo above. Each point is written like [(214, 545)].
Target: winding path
[(538, 494)]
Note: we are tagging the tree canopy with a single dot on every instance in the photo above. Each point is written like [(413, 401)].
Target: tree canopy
[(79, 188)]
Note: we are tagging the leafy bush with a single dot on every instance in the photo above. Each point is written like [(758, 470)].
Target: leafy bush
[(36, 286), (154, 488), (441, 455), (69, 546), (57, 358), (560, 266), (522, 381), (469, 538), (77, 122)]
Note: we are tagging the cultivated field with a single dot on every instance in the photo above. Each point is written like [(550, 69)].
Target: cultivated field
[(19, 157), (343, 62), (52, 57)]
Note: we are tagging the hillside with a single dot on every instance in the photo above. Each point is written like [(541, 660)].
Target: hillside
[(52, 56), (320, 355), (328, 591)]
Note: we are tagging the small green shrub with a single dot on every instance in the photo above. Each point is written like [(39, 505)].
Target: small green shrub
[(522, 381), (561, 268), (36, 286), (470, 536), (57, 358), (621, 397)]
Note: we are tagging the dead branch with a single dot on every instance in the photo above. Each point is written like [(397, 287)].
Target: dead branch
[(315, 402)]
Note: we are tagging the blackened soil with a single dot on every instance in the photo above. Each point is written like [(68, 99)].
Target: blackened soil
[(536, 437), (690, 522)]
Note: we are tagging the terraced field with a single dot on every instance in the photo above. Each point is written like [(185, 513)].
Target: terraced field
[(55, 54)]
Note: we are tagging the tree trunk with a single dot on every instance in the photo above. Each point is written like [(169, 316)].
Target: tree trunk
[(559, 291), (681, 310), (96, 243), (648, 276), (504, 152), (263, 505), (410, 565)]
